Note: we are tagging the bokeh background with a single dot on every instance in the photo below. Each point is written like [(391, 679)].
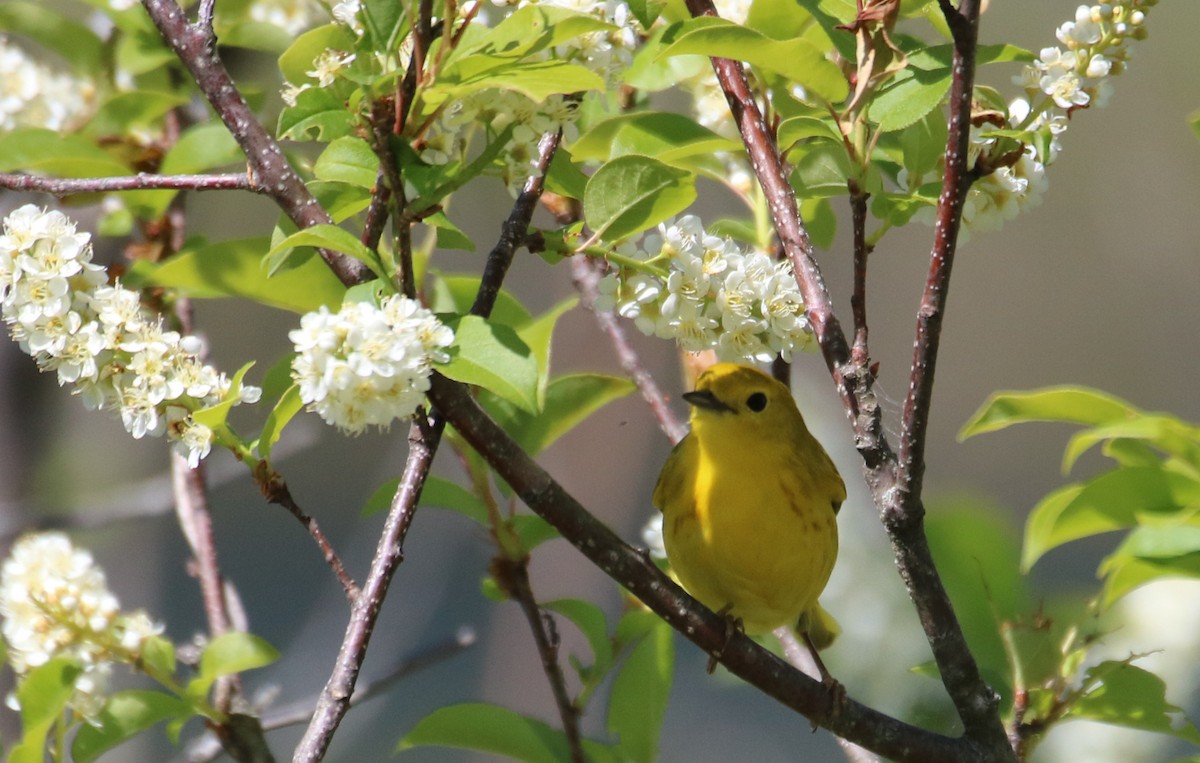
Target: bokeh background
[(1097, 286)]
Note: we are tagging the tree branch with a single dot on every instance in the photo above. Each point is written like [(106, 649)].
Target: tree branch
[(635, 572), (276, 491), (896, 494), (142, 181), (196, 48)]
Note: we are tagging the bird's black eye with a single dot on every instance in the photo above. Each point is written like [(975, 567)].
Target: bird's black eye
[(756, 402)]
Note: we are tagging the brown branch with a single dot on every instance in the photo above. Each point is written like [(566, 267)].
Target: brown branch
[(140, 182), (860, 354), (635, 572), (424, 436), (513, 577), (585, 272), (196, 48), (896, 490)]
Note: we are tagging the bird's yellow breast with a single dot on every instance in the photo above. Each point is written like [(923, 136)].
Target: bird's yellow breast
[(748, 527)]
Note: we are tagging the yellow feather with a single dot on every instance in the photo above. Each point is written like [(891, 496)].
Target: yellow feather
[(749, 502)]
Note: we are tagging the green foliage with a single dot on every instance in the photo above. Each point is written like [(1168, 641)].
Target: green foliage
[(125, 715), (1151, 493), (632, 193), (227, 654)]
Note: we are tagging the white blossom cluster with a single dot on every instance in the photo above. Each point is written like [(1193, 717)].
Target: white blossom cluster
[(365, 365), (1061, 81), (55, 603), (34, 95), (293, 16), (59, 308), (706, 292)]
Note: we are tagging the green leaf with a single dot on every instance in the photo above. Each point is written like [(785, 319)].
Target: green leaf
[(214, 416), (923, 145), (800, 128), (255, 35), (456, 294), (341, 200), (1129, 696), (229, 653), (45, 151), (75, 42), (201, 147), (536, 80), (639, 695), (297, 60), (564, 177), (43, 695), (536, 334), (438, 492), (348, 160), (569, 400), (317, 115), (795, 59), (1194, 121), (666, 136), (288, 406), (491, 355), (1116, 500), (326, 236), (633, 193), (235, 269), (911, 96), (499, 731), (1072, 405), (1166, 433), (449, 235), (124, 715), (383, 21), (592, 623), (646, 11), (822, 170), (1147, 554), (158, 655)]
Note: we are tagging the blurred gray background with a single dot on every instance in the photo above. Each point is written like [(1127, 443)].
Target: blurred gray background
[(1096, 286)]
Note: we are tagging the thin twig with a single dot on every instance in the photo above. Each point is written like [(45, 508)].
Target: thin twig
[(860, 353), (513, 575), (276, 491), (585, 272), (142, 181), (196, 47)]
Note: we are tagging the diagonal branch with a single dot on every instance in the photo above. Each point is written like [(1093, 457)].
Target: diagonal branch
[(196, 48)]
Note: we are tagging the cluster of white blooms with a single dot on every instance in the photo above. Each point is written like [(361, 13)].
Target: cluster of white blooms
[(365, 365), (61, 311), (327, 67), (1059, 82), (33, 95), (55, 603), (706, 293)]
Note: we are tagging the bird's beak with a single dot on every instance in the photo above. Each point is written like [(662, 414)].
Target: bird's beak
[(706, 400)]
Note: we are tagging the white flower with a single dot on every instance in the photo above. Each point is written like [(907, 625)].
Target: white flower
[(55, 603), (1059, 78), (328, 65), (33, 95), (366, 365), (1082, 31)]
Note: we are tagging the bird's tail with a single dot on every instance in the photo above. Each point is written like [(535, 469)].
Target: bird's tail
[(821, 627)]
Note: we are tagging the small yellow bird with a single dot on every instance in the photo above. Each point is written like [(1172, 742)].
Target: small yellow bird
[(749, 502)]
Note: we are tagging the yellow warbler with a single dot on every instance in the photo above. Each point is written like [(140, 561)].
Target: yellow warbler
[(749, 502)]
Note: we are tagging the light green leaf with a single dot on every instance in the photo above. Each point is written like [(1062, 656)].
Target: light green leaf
[(201, 147), (284, 411), (639, 695), (456, 294), (912, 95), (341, 200), (569, 400), (124, 715), (633, 193), (491, 355), (235, 269), (1167, 433), (804, 127), (536, 80), (1116, 500), (158, 655), (1194, 121), (326, 236), (1129, 696), (592, 623), (536, 334), (317, 115), (666, 136), (43, 695), (1072, 405), (822, 170), (255, 35), (214, 416), (135, 108), (348, 160), (531, 531), (229, 653), (1147, 554), (795, 59), (498, 731), (297, 60), (45, 151)]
